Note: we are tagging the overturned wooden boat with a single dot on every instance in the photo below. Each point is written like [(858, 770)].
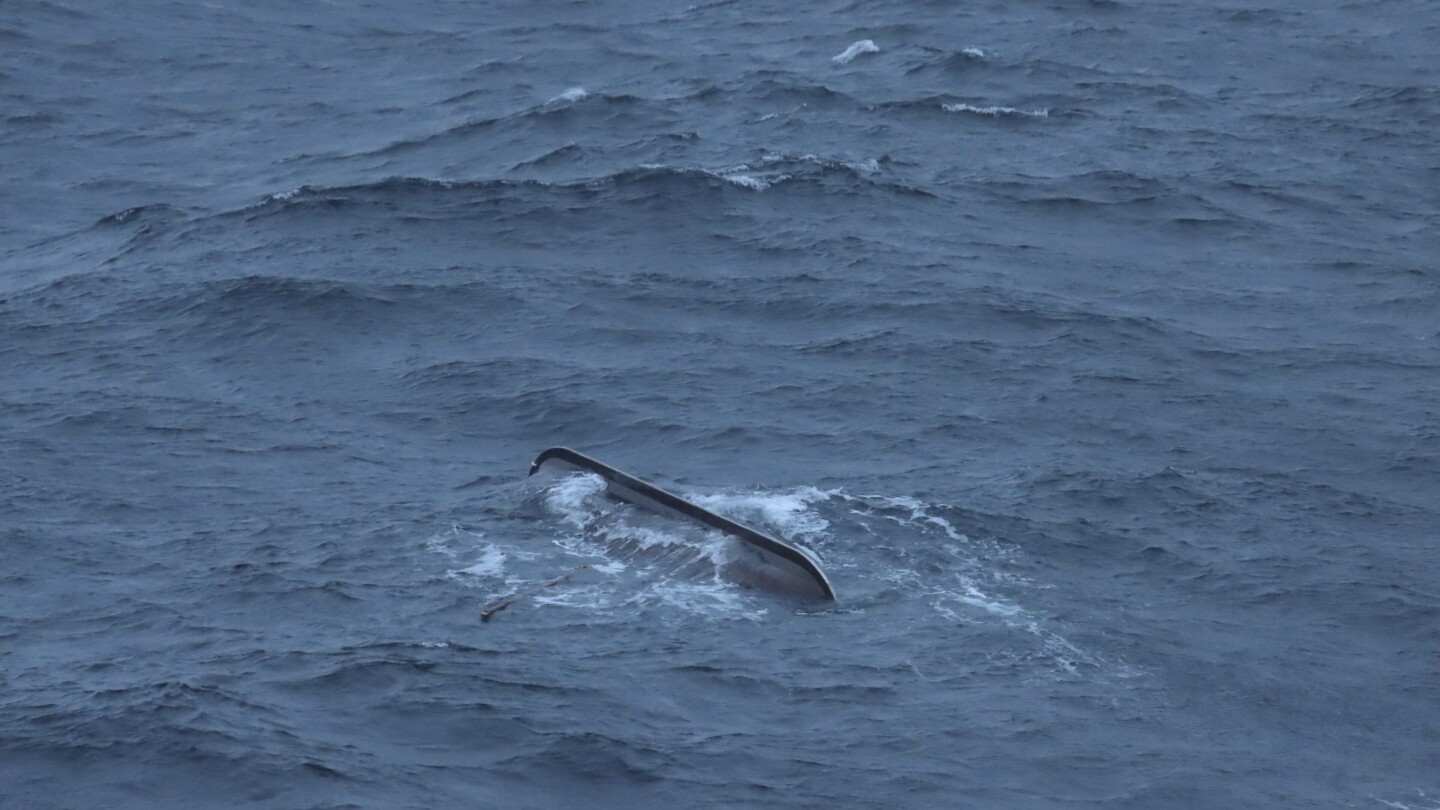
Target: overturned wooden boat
[(767, 563)]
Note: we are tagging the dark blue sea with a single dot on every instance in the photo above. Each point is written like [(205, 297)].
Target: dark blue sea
[(1092, 346)]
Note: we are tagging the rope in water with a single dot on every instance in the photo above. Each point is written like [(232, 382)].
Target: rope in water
[(515, 597)]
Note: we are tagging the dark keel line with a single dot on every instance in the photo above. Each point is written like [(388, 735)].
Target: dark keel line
[(770, 564)]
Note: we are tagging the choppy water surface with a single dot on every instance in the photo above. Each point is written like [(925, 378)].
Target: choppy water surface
[(1093, 346)]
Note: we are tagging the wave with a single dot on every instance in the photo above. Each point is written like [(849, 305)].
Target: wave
[(995, 111), (421, 197), (178, 715), (772, 87), (141, 214), (1163, 200), (945, 103), (1415, 103), (528, 392), (1260, 16), (1107, 187), (571, 96), (858, 48), (304, 317), (90, 250), (762, 89), (563, 109), (773, 169), (258, 293), (950, 62), (570, 153)]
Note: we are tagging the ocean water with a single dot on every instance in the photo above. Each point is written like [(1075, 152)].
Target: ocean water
[(1093, 346)]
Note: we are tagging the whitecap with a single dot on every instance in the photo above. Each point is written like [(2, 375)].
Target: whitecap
[(866, 166), (973, 53), (490, 564), (571, 95), (788, 511), (995, 112), (572, 498), (750, 181), (858, 48), (277, 197)]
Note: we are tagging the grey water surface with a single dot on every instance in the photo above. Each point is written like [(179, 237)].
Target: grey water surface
[(1093, 346)]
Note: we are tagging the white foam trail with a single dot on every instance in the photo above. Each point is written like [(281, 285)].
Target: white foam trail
[(489, 559), (958, 604), (571, 95), (974, 53), (995, 112), (918, 513), (861, 47), (440, 545), (704, 598), (959, 598), (490, 564), (977, 598), (446, 543), (946, 526), (712, 600), (576, 596), (589, 546)]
